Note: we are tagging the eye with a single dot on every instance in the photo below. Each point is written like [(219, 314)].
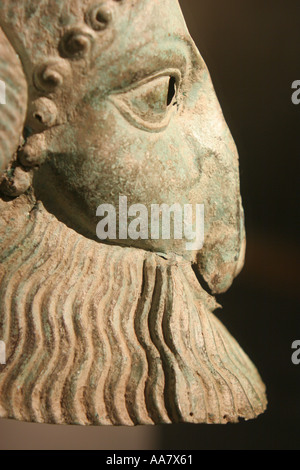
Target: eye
[(171, 90), (149, 105)]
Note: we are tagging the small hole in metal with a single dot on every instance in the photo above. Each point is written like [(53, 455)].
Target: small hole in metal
[(172, 90)]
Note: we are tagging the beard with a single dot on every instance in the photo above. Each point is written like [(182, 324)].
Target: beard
[(106, 335)]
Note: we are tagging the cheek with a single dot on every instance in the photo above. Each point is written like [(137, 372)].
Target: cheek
[(120, 159), (193, 161)]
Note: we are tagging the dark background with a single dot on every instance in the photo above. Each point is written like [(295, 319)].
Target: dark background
[(252, 49)]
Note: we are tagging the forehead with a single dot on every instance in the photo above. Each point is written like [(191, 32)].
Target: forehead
[(150, 36), (141, 35), (140, 39), (134, 22)]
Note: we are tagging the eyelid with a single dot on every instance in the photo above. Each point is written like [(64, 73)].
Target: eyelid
[(143, 113), (170, 72)]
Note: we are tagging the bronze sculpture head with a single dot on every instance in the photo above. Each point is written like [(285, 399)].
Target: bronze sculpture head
[(113, 100)]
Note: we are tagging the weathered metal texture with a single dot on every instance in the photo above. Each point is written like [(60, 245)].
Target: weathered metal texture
[(13, 106), (108, 335), (120, 102)]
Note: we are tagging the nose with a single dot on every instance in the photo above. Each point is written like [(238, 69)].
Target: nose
[(222, 256)]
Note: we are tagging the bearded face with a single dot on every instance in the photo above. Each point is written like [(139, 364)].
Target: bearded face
[(110, 101), (137, 116)]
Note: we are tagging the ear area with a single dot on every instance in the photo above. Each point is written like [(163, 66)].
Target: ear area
[(13, 102)]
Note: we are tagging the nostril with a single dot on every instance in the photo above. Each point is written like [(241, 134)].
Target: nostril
[(171, 91), (38, 117)]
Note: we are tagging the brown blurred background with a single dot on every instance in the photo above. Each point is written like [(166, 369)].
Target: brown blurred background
[(252, 49)]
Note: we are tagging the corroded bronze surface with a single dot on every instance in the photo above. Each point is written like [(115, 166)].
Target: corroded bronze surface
[(106, 99)]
